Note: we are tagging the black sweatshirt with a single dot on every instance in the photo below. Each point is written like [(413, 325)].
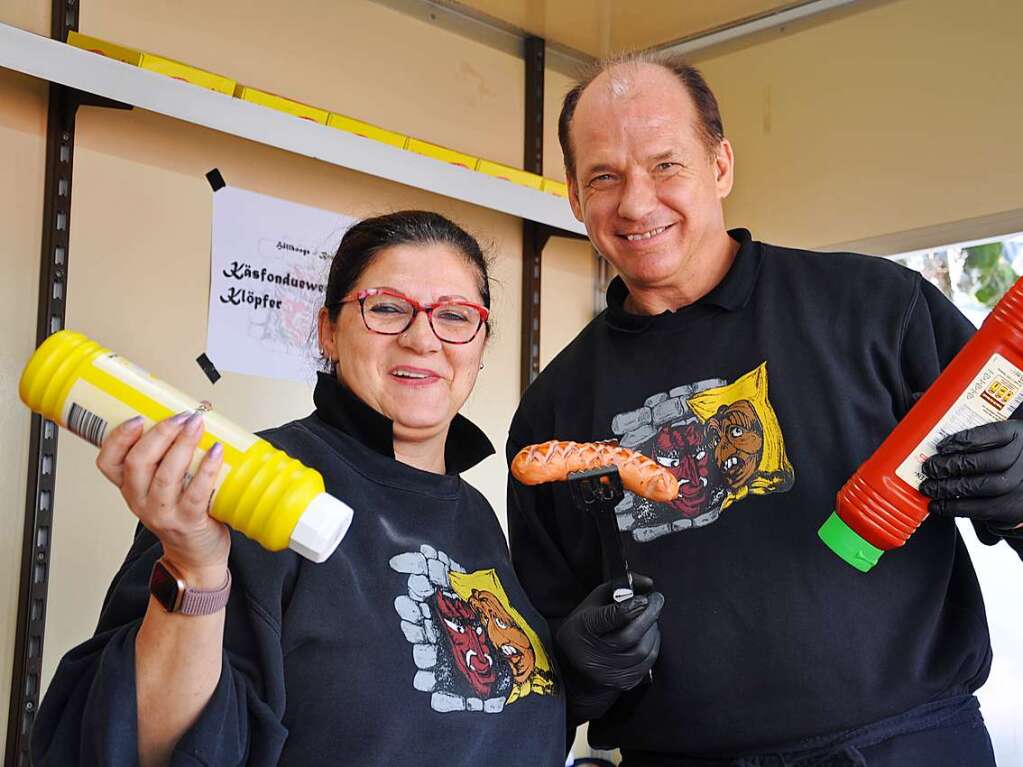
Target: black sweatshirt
[(762, 397), (413, 644)]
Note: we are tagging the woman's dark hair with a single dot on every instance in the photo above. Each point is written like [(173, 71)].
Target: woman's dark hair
[(362, 242)]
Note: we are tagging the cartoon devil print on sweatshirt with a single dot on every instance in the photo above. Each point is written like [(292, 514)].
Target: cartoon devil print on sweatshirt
[(721, 440), (472, 649)]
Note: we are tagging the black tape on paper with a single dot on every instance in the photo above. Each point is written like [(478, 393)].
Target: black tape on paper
[(216, 180), (208, 368)]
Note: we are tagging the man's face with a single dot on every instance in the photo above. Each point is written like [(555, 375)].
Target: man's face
[(644, 172), (469, 644), (505, 634), (737, 436), (681, 451)]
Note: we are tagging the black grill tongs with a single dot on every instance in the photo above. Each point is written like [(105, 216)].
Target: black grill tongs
[(598, 491)]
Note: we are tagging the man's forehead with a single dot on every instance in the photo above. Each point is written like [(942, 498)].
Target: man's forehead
[(637, 102), (647, 135), (612, 142)]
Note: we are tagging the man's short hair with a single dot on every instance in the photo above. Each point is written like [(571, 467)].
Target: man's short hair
[(711, 129)]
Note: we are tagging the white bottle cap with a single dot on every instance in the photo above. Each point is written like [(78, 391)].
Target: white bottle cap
[(321, 527)]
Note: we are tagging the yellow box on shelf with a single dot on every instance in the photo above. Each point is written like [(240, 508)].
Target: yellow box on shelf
[(193, 75), (515, 175), (442, 153), (104, 48), (554, 187), (281, 104), (366, 130)]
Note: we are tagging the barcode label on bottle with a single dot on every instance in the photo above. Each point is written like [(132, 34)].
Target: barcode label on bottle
[(86, 424), (993, 395)]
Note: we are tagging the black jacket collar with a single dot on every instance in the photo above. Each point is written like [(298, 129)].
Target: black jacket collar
[(338, 406), (731, 294)]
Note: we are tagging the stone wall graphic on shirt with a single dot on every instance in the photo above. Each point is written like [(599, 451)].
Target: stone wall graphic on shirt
[(721, 440), (472, 649)]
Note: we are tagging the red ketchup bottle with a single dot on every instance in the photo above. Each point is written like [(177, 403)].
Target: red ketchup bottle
[(881, 506)]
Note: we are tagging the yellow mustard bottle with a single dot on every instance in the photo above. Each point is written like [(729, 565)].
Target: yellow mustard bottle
[(261, 492)]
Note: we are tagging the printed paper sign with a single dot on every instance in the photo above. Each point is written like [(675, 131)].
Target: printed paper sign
[(268, 273)]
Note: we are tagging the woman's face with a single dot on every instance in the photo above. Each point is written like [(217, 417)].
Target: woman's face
[(412, 378)]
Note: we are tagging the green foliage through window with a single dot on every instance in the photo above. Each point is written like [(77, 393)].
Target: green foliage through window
[(989, 272)]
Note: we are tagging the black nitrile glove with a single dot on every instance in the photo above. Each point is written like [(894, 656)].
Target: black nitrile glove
[(978, 473), (609, 646)]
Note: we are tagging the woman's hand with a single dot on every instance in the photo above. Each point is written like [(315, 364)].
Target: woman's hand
[(151, 471)]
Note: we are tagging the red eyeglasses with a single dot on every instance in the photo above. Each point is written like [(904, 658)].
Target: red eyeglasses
[(391, 313)]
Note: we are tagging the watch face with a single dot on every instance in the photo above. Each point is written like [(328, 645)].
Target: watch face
[(164, 587)]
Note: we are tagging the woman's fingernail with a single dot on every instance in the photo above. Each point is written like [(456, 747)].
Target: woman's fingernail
[(194, 423), (181, 417), (216, 451), (134, 423)]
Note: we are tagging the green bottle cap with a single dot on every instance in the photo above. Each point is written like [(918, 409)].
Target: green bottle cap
[(848, 544)]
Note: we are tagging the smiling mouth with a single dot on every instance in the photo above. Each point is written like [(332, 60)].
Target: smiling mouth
[(731, 463), (413, 376), (645, 235)]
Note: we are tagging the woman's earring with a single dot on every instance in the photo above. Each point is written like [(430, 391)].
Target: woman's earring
[(481, 366), (331, 362)]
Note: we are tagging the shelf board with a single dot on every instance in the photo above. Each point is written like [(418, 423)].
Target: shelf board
[(56, 62)]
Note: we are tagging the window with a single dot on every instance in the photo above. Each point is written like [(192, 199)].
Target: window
[(973, 275)]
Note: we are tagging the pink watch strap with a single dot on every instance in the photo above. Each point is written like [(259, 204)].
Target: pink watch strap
[(196, 602)]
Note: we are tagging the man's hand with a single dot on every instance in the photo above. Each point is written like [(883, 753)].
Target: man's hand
[(613, 644), (978, 473)]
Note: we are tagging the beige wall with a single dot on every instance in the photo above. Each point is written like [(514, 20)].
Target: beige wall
[(139, 254), (898, 118), (556, 85), (353, 57), (31, 15), (568, 270), (150, 262), (22, 156), (902, 117), (566, 294)]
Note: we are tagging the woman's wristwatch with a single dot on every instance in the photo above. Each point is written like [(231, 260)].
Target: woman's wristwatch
[(176, 596)]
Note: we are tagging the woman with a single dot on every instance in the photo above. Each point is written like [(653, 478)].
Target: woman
[(379, 656)]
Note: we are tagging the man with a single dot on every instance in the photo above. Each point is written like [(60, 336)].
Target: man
[(769, 649)]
